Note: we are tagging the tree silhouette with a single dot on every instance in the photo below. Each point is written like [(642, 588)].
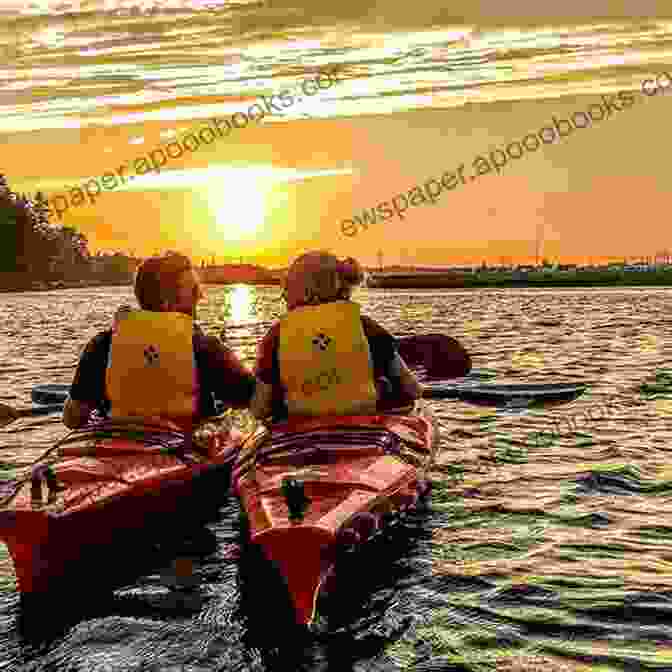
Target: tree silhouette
[(8, 231), (17, 235), (30, 245)]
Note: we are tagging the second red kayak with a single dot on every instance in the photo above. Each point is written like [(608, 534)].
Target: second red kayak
[(311, 487)]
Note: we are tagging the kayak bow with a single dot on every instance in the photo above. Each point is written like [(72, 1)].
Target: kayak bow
[(313, 487), (106, 480)]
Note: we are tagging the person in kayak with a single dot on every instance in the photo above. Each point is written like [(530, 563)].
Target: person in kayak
[(156, 362), (325, 357)]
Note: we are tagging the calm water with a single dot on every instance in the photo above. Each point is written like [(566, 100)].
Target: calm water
[(532, 556)]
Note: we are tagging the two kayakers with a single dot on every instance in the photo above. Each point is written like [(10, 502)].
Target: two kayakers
[(322, 357), (325, 357), (156, 362)]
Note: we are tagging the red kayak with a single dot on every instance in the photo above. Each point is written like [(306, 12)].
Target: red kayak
[(312, 487), (104, 482)]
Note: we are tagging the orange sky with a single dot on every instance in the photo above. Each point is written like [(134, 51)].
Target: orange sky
[(602, 192)]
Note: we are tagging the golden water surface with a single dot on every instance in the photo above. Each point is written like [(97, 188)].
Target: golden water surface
[(548, 543)]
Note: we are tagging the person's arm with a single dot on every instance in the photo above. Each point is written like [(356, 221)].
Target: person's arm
[(76, 413), (267, 372), (231, 381), (87, 391), (261, 405), (408, 382), (390, 365)]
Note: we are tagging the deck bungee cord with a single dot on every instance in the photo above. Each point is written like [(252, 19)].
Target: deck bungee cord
[(169, 442)]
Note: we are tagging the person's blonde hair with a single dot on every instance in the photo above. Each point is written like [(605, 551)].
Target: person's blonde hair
[(320, 277)]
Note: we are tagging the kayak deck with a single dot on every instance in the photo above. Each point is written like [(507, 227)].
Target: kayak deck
[(112, 485), (354, 474)]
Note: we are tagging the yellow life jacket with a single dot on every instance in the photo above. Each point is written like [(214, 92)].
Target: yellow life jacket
[(151, 370), (325, 361)]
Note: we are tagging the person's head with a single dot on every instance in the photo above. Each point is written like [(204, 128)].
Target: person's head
[(168, 284), (320, 277)]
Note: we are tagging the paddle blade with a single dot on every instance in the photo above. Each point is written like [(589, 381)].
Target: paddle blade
[(504, 394), (50, 393), (41, 410), (441, 356)]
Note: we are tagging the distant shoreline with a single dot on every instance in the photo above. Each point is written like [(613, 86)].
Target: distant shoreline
[(44, 286), (446, 281), (390, 282), (524, 285), (52, 285)]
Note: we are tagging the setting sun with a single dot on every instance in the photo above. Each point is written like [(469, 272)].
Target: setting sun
[(239, 207)]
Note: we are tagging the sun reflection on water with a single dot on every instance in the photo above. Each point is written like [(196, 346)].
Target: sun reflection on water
[(239, 304)]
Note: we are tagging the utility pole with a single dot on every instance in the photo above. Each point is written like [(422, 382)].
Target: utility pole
[(540, 234)]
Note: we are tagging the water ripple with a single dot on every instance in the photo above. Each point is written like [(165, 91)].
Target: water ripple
[(547, 542)]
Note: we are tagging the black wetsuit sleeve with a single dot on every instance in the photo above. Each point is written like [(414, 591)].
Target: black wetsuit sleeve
[(382, 344), (384, 353), (222, 374), (89, 382)]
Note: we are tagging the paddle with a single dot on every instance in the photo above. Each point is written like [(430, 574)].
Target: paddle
[(8, 414), (50, 397), (54, 393), (476, 391), (448, 366), (439, 357)]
